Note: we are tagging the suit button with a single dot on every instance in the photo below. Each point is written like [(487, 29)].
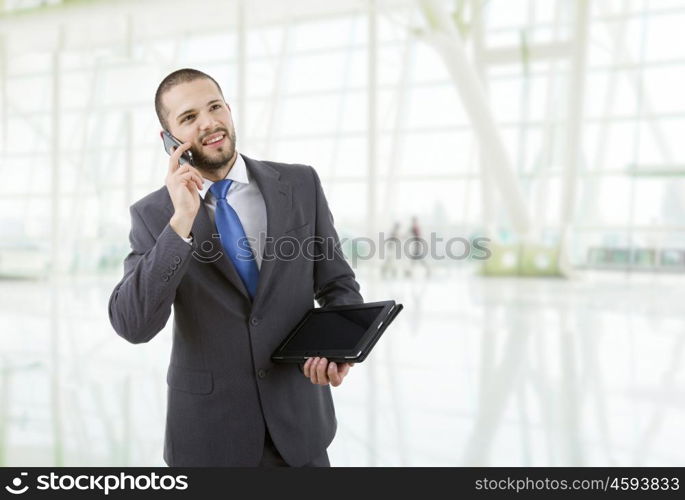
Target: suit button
[(177, 259), (174, 267), (261, 373), (165, 277), (254, 321)]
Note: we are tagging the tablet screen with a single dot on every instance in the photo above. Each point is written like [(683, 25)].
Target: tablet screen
[(331, 330)]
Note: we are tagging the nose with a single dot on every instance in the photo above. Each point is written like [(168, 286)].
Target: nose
[(207, 122)]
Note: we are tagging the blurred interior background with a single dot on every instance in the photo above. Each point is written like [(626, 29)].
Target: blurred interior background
[(552, 127)]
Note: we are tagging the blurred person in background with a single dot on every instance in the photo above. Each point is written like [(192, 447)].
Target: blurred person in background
[(418, 249), (392, 252)]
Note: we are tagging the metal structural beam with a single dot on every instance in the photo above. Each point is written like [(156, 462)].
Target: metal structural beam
[(445, 38), (372, 187), (372, 117), (544, 164), (55, 261), (55, 158), (3, 93), (486, 185), (575, 108), (241, 57), (275, 109), (534, 52), (342, 102), (623, 58), (397, 141)]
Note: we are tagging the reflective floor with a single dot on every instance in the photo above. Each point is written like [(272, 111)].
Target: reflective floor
[(475, 371)]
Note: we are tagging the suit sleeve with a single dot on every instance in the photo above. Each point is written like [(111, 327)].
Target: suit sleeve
[(140, 304), (334, 280)]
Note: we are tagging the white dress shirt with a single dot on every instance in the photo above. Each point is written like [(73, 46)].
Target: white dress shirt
[(246, 199)]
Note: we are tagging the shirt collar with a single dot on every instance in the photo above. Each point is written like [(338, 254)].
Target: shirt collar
[(237, 173)]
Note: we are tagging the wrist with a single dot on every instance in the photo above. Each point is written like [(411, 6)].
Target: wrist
[(181, 224)]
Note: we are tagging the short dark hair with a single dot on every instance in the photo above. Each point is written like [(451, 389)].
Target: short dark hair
[(179, 76)]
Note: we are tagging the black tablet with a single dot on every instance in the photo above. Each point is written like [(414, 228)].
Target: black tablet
[(339, 333)]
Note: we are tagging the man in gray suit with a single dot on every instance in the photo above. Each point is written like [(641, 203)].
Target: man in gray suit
[(228, 404)]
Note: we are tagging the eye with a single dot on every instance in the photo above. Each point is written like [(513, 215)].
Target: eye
[(187, 117), (215, 106)]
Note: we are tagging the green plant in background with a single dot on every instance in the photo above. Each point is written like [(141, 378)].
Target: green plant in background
[(523, 260)]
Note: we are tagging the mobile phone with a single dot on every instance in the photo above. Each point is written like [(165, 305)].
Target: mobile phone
[(170, 143)]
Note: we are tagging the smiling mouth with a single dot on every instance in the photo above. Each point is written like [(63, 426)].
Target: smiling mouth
[(214, 139)]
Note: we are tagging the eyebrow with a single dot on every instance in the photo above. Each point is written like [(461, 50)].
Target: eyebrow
[(192, 110)]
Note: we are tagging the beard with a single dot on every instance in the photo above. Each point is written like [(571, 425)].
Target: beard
[(220, 158)]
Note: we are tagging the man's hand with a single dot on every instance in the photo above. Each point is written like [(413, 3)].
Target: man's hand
[(183, 183), (321, 372)]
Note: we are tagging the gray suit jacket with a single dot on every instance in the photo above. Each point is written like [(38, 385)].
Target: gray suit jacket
[(223, 388)]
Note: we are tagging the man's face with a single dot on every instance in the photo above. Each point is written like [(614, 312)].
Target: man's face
[(197, 113)]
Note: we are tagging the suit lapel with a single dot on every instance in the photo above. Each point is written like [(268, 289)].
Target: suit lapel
[(278, 200)]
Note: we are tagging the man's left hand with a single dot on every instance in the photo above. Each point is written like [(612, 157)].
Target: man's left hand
[(321, 372)]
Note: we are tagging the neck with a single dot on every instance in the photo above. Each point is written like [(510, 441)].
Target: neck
[(217, 175)]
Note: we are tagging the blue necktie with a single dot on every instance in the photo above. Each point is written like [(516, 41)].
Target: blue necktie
[(233, 237)]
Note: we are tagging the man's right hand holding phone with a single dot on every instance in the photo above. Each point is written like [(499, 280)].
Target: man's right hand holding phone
[(183, 183)]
